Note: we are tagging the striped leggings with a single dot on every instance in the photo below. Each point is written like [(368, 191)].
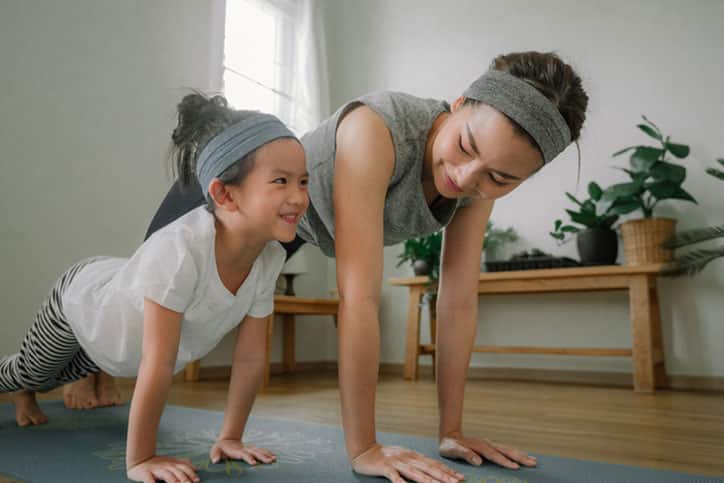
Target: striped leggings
[(50, 355)]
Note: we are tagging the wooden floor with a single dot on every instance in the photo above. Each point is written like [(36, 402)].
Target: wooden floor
[(681, 431)]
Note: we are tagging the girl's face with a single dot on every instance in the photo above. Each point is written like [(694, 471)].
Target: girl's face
[(477, 152), (273, 196)]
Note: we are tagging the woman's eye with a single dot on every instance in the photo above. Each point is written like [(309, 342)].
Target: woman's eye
[(494, 180), (460, 145)]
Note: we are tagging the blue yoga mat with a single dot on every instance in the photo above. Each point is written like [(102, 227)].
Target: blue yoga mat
[(89, 447)]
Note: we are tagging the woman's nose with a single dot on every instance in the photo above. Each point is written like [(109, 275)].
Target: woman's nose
[(468, 175)]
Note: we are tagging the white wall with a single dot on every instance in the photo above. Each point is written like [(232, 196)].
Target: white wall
[(659, 58), (88, 90)]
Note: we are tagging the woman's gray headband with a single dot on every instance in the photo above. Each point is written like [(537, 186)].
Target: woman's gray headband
[(524, 104), (235, 142)]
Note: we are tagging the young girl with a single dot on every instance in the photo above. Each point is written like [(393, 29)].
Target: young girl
[(182, 290), (389, 166)]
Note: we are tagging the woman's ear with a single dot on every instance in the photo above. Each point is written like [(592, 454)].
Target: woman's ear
[(221, 195), (457, 103)]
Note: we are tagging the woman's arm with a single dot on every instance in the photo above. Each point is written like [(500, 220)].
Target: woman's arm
[(247, 374), (457, 315), (363, 167), (161, 335)]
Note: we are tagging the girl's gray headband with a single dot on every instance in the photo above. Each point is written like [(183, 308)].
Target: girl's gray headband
[(524, 104), (235, 142)]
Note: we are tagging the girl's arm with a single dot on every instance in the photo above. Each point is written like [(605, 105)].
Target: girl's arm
[(247, 374), (457, 313), (363, 167), (161, 335)]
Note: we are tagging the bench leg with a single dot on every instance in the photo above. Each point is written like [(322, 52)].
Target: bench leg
[(648, 355), (412, 351), (191, 371), (433, 334), (269, 334), (290, 362)]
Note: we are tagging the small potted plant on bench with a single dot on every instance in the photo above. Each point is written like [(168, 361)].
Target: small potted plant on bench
[(596, 239)]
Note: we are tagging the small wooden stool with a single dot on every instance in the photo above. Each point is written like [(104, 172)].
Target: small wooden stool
[(287, 306)]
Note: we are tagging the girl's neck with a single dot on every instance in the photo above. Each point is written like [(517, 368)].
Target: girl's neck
[(235, 250)]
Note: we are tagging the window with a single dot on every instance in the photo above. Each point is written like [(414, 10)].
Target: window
[(258, 55)]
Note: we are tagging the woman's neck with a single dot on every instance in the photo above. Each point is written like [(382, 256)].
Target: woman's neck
[(428, 180)]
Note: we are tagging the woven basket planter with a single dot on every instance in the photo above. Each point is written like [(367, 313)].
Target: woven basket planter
[(642, 240)]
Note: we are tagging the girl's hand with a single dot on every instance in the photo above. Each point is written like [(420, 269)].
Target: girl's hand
[(396, 464), (475, 451), (166, 468), (236, 450)]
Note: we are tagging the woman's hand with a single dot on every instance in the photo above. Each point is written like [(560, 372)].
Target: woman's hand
[(475, 451), (396, 464), (166, 468), (230, 449)]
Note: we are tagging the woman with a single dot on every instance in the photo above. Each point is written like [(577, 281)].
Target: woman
[(389, 166)]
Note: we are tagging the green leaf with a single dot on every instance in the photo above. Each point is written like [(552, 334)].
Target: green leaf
[(573, 199), (678, 150), (661, 170), (648, 121), (715, 172), (588, 207), (557, 236), (594, 191), (644, 157), (557, 224), (586, 219), (649, 131), (681, 194), (623, 206), (662, 190), (570, 229), (721, 161), (622, 190), (623, 151), (608, 221)]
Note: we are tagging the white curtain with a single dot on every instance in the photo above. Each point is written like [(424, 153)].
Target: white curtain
[(275, 60)]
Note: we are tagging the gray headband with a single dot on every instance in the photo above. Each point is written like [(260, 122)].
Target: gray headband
[(524, 104), (235, 142)]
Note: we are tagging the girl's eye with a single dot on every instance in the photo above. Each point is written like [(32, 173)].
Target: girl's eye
[(305, 182), (495, 181), (280, 181)]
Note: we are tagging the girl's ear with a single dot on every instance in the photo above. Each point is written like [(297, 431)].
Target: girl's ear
[(221, 195), (457, 103)]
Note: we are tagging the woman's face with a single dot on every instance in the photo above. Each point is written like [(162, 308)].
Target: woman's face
[(478, 152)]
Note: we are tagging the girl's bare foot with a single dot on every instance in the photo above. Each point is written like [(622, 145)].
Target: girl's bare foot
[(27, 411), (106, 390), (81, 394)]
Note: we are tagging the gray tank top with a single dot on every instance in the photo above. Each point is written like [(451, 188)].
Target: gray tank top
[(406, 213)]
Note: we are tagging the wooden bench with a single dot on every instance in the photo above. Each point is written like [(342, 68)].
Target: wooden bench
[(287, 306), (639, 281)]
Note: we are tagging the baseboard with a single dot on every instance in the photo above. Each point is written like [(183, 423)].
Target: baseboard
[(594, 378)]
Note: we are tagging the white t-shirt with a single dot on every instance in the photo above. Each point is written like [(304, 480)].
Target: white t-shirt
[(176, 268)]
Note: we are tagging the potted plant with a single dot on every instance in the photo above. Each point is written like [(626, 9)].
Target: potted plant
[(695, 261), (596, 239), (424, 254), (495, 238), (654, 178)]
